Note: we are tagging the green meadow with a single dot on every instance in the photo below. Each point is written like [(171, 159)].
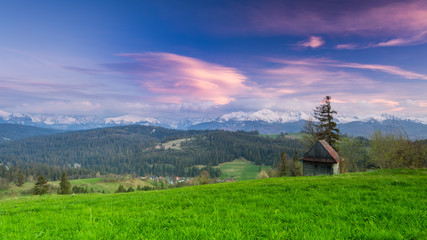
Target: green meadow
[(386, 204), (97, 184), (240, 169)]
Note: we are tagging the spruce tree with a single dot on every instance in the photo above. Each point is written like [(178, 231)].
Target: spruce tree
[(326, 128), (20, 179), (121, 189), (297, 166), (64, 185), (283, 165), (41, 186)]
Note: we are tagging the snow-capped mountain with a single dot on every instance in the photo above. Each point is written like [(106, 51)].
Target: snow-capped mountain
[(270, 122), (264, 121), (131, 119), (269, 116), (75, 122), (264, 115)]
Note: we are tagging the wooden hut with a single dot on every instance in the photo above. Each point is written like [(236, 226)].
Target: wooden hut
[(321, 159)]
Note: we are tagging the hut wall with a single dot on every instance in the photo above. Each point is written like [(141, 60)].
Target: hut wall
[(336, 168), (317, 168)]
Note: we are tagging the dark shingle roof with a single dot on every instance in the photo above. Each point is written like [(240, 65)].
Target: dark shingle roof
[(322, 152)]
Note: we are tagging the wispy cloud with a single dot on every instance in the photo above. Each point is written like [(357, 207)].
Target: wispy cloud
[(177, 79), (313, 42), (416, 39), (393, 70), (353, 91), (400, 41), (380, 23), (347, 46), (360, 17)]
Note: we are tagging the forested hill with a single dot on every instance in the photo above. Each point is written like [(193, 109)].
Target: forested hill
[(10, 132), (141, 150)]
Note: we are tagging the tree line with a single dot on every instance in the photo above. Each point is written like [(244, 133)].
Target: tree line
[(136, 150)]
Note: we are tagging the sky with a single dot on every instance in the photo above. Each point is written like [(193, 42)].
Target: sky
[(191, 59)]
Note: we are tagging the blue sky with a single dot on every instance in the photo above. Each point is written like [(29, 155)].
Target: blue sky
[(179, 59)]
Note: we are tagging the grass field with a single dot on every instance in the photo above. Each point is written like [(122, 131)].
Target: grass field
[(97, 184), (387, 204), (240, 169)]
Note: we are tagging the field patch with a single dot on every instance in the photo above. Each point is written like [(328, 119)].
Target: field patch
[(175, 144), (239, 169)]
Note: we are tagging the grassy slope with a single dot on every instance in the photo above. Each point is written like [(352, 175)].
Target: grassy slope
[(389, 204), (240, 169), (97, 184)]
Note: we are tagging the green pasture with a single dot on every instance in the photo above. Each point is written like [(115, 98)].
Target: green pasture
[(240, 169), (387, 204), (97, 184)]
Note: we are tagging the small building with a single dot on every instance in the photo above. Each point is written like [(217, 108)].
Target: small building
[(321, 159)]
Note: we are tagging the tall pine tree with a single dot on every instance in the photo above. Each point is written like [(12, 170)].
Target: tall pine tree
[(64, 185), (326, 128), (323, 127)]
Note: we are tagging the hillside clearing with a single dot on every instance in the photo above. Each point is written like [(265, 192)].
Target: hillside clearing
[(175, 144), (239, 169), (389, 204)]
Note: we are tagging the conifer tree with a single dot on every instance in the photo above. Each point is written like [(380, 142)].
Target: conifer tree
[(327, 127), (121, 189), (283, 165), (297, 166), (20, 179), (41, 186), (64, 185)]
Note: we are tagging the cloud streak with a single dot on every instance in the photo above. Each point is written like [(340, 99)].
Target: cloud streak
[(358, 17), (178, 79), (393, 70), (380, 23)]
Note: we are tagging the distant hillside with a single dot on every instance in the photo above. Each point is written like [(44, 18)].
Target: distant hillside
[(260, 126), (11, 132), (146, 150), (415, 130)]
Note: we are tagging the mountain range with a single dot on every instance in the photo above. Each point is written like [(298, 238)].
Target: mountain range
[(264, 121)]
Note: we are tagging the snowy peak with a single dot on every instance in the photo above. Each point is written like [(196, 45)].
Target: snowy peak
[(346, 118), (264, 119), (5, 115), (131, 119), (264, 115)]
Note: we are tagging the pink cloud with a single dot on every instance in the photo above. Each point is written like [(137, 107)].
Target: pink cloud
[(347, 46), (385, 102), (401, 22), (400, 41), (312, 79), (416, 39), (384, 68), (296, 79), (313, 42), (178, 79), (393, 70), (364, 17)]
